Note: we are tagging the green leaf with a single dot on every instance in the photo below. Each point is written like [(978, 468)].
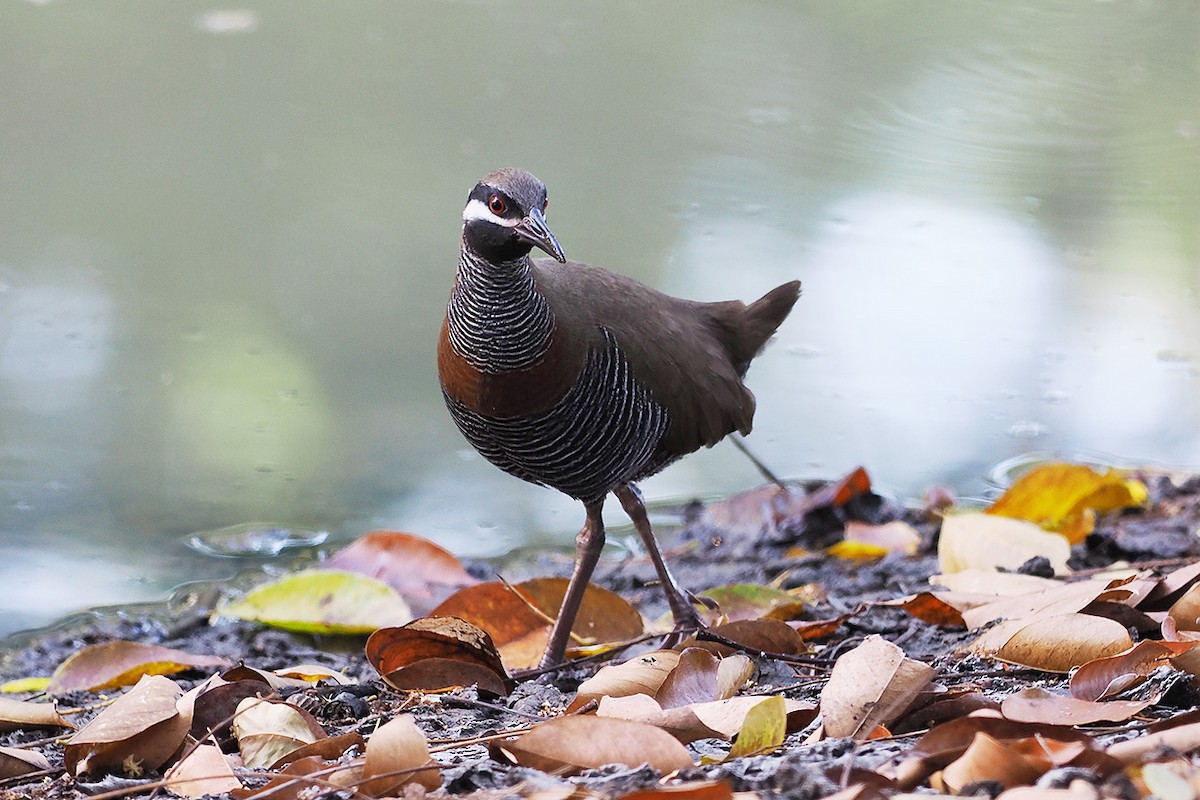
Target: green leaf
[(762, 730), (322, 601)]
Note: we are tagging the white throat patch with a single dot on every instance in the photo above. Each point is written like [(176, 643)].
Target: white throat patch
[(477, 209)]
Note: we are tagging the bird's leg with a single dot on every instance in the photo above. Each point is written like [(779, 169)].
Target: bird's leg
[(682, 610), (588, 545)]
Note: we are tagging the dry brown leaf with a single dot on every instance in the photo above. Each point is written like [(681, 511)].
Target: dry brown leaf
[(213, 704), (314, 673), (1185, 612), (266, 731), (1061, 642), (459, 654), (769, 508), (329, 748), (696, 790), (142, 727), (15, 762), (567, 745), (1009, 763), (244, 672), (203, 771), (871, 685), (732, 673), (988, 542), (294, 781), (989, 583), (1061, 599), (15, 714), (719, 719), (111, 665), (694, 680), (421, 571), (1174, 584), (946, 742), (639, 675), (756, 635), (397, 754), (1037, 705), (1111, 675)]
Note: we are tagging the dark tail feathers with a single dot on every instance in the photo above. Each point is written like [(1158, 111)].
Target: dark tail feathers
[(759, 320)]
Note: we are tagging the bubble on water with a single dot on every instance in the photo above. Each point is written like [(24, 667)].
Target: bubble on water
[(253, 539), (227, 20), (1027, 429)]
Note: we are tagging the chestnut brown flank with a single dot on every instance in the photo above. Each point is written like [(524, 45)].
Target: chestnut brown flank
[(519, 393)]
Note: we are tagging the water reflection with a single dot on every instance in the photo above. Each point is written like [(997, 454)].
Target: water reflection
[(224, 256)]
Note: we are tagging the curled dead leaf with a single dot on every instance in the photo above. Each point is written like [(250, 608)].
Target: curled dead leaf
[(870, 686), (16, 714), (435, 654), (142, 726), (642, 674)]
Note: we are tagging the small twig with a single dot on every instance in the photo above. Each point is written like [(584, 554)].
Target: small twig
[(762, 468), (549, 620), (17, 780), (474, 740), (473, 703), (708, 635)]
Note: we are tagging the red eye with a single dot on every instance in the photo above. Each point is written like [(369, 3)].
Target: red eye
[(497, 204)]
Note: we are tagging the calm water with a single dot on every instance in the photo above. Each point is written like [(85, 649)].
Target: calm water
[(227, 233)]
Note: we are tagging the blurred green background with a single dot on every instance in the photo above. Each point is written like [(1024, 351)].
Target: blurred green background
[(227, 233)]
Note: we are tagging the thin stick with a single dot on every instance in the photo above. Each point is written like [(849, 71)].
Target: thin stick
[(762, 468)]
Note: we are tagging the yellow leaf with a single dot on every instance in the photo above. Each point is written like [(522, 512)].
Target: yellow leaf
[(18, 685), (762, 730), (322, 601), (1065, 498), (856, 551)]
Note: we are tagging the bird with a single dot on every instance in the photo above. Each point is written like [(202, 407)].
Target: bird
[(574, 377)]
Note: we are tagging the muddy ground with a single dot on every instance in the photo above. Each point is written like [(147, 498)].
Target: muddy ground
[(717, 545)]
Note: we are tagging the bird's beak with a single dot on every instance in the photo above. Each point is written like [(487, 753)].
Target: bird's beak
[(534, 230)]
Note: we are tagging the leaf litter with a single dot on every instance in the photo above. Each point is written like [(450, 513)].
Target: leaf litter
[(939, 649)]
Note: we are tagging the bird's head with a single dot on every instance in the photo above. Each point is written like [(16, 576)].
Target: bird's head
[(505, 217)]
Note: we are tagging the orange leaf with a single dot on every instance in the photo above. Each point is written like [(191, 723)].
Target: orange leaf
[(414, 566), (520, 633)]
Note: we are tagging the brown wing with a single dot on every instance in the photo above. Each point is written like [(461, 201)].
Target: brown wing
[(689, 355)]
